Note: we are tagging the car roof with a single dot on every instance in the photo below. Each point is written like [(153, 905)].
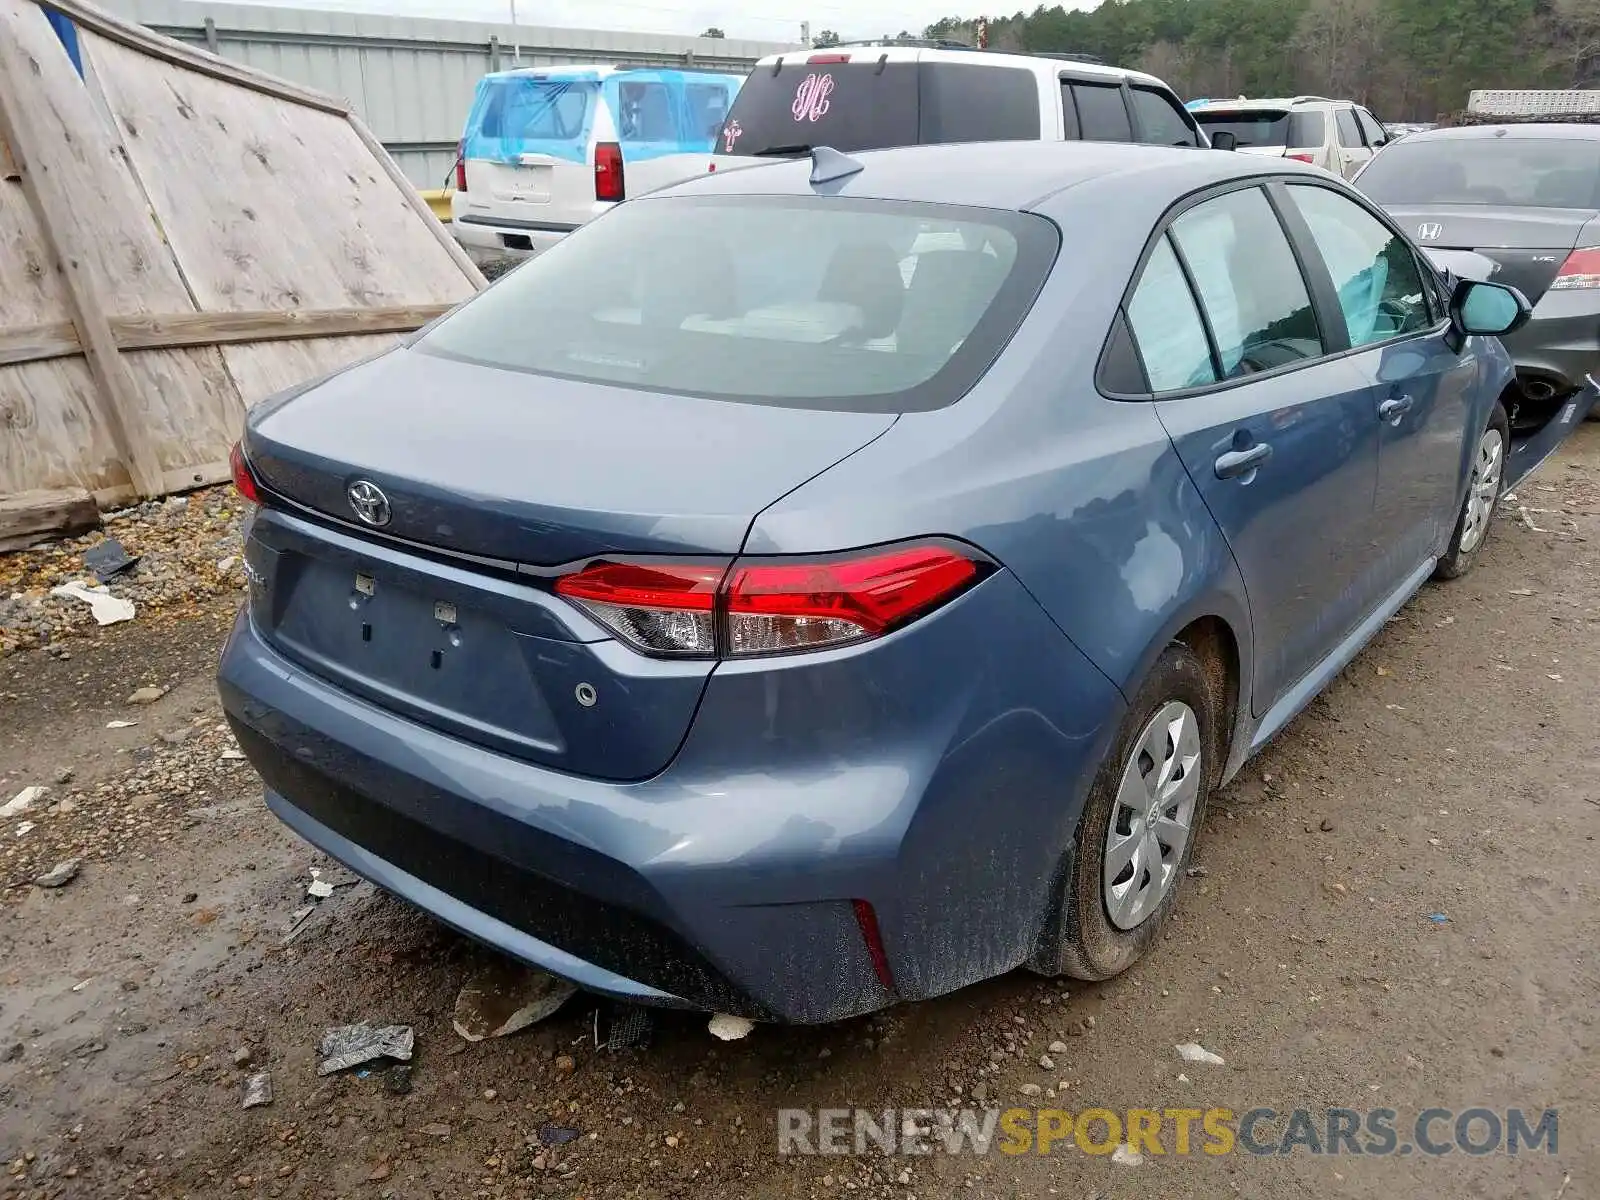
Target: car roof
[(1006, 175), (1260, 102), (983, 58), (588, 72), (1571, 131)]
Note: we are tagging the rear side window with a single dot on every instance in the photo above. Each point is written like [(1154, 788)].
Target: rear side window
[(1161, 120), (1250, 286), (521, 110), (1102, 115), (645, 113), (848, 106), (1166, 325), (1308, 128), (1349, 131), (804, 302), (962, 103), (708, 108)]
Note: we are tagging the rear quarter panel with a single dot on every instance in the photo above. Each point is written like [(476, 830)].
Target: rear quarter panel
[(1083, 498)]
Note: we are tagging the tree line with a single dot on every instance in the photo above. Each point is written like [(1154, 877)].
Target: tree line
[(1404, 59)]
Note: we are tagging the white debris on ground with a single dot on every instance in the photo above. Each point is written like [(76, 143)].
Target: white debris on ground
[(21, 802), (1194, 1052), (730, 1029), (1126, 1156), (505, 997), (107, 609)]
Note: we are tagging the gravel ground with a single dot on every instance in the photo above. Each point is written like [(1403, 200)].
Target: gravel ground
[(1398, 909)]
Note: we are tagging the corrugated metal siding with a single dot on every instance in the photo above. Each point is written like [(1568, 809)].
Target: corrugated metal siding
[(412, 79)]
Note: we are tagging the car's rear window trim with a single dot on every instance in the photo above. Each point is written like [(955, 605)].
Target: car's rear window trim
[(1038, 243)]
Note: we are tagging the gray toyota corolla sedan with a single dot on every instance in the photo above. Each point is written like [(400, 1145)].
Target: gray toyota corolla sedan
[(1520, 205)]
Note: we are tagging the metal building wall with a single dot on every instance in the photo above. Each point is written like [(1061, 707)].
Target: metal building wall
[(412, 79)]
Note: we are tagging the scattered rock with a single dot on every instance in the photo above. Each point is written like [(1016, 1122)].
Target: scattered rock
[(64, 775), (1058, 1047), (14, 1053), (59, 875), (1046, 1062), (21, 802), (349, 1046), (147, 695), (505, 997), (730, 1029), (379, 1173), (980, 1092), (257, 1090), (1030, 1089), (565, 1065), (438, 1129), (243, 1057), (1326, 826), (1194, 1052)]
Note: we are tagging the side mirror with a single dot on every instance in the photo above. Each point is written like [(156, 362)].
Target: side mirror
[(1489, 309), (1223, 140)]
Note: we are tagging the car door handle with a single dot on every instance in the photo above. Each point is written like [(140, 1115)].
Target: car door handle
[(1395, 407), (1241, 462)]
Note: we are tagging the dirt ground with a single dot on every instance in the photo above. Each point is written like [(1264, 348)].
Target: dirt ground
[(1398, 910)]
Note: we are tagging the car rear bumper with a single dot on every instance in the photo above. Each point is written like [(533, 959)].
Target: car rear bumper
[(726, 887), (1561, 344), (488, 237)]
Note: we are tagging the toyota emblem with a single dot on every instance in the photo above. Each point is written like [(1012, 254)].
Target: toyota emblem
[(369, 502), (1430, 231)]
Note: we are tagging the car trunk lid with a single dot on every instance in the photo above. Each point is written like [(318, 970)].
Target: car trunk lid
[(488, 477), (1528, 245)]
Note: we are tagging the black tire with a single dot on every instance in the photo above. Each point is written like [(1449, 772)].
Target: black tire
[(1087, 944), (1459, 559)]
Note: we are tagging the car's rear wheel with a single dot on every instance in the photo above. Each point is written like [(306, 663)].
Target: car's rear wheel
[(1483, 496), (1140, 822)]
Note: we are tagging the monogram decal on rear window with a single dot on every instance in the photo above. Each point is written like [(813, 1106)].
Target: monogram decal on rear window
[(811, 98)]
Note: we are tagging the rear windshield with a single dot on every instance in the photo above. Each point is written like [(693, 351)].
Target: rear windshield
[(1529, 172), (1265, 127), (865, 106), (803, 302)]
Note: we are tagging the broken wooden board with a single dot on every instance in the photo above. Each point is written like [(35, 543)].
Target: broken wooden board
[(29, 518)]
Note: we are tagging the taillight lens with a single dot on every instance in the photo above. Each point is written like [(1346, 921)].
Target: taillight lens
[(461, 168), (772, 606), (819, 60), (657, 608), (608, 180), (777, 607), (1581, 270), (1305, 158), (244, 482)]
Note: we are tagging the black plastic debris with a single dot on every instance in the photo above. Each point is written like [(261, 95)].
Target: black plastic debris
[(557, 1135), (397, 1080), (108, 560)]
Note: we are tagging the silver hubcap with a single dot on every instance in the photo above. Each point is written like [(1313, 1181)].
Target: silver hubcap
[(1151, 820), (1484, 489)]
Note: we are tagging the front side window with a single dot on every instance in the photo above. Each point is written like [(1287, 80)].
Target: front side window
[(1166, 325), (1102, 113), (1249, 283), (1161, 121), (1379, 284), (803, 302), (1369, 126), (1349, 131)]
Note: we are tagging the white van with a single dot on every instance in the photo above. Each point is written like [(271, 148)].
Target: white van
[(548, 148), (874, 95)]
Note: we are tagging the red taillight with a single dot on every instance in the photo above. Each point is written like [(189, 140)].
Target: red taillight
[(819, 60), (461, 168), (772, 606), (658, 608), (1305, 158), (1581, 270), (608, 180), (243, 481), (775, 607), (867, 919)]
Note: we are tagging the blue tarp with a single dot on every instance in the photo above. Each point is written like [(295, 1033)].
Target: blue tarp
[(68, 33)]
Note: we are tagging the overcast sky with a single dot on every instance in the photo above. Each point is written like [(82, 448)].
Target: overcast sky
[(767, 20)]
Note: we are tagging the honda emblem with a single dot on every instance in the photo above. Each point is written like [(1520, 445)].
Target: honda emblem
[(1430, 231)]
